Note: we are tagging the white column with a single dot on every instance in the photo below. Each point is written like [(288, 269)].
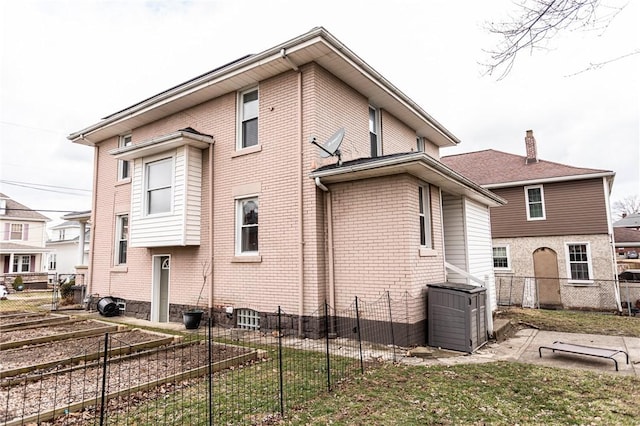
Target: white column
[(83, 226)]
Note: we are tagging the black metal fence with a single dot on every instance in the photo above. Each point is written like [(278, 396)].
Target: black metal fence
[(211, 375)]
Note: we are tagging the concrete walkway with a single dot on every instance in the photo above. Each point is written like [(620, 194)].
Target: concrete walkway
[(523, 347)]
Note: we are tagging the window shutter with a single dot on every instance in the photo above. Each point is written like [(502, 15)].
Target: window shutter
[(25, 231), (7, 230), (32, 264)]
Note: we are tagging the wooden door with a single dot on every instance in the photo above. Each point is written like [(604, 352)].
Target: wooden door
[(545, 268)]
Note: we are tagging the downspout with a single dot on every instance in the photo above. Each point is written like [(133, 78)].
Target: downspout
[(332, 284), (612, 242), (94, 225), (299, 154), (211, 183)]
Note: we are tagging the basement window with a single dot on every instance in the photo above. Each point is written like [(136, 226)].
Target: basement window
[(248, 319)]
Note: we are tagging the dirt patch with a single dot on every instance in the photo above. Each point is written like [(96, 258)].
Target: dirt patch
[(33, 354), (51, 330), (71, 386)]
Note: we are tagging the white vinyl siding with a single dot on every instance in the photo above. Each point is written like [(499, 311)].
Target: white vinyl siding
[(454, 235), (181, 226), (480, 249)]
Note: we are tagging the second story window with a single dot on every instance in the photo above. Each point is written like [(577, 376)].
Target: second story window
[(124, 167), (52, 262), (425, 216), (248, 119), (535, 202), (16, 231), (158, 177), (61, 234), (374, 121), (122, 236), (420, 144)]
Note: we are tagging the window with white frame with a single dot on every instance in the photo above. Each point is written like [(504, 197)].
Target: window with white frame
[(61, 234), (16, 231), (374, 124), (122, 236), (21, 264), (535, 202), (51, 263), (247, 226), (501, 257), (420, 144), (579, 261), (158, 178), (248, 118), (424, 202), (124, 167)]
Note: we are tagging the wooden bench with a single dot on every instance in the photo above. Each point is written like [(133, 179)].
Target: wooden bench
[(585, 350)]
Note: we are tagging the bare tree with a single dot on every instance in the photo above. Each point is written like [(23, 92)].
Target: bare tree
[(538, 22), (626, 206)]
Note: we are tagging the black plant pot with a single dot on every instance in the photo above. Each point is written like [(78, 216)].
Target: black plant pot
[(192, 319)]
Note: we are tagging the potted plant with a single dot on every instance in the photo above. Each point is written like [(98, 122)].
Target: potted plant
[(192, 317)]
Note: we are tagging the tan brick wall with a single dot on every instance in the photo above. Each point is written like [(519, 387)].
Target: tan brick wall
[(378, 247)]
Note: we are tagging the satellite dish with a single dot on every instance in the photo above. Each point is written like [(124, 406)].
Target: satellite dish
[(331, 147)]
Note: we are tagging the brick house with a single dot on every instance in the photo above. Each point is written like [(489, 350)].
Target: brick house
[(556, 226), (180, 178), (22, 245)]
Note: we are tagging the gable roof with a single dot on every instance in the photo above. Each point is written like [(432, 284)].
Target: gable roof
[(317, 45), (417, 164), (15, 210), (495, 169)]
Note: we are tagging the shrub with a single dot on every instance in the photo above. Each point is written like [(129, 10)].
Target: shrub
[(66, 290), (18, 284)]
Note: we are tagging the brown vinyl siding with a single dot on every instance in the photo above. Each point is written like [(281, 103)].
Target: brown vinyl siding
[(572, 208)]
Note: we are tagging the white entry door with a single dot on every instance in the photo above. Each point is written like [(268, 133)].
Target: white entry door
[(160, 288)]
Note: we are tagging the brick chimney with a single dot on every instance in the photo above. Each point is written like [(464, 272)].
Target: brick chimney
[(532, 151)]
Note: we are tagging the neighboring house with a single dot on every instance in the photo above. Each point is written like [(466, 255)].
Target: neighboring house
[(64, 244), (627, 233), (24, 233), (180, 178), (556, 225)]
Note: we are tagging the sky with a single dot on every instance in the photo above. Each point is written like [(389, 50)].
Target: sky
[(65, 64)]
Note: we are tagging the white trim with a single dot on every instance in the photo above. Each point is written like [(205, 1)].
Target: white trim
[(426, 216), (155, 287), (123, 143), (377, 126), (145, 187), (548, 180), (238, 226), (118, 232), (526, 200), (508, 255), (570, 280)]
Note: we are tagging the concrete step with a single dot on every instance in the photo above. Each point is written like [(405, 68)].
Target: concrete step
[(503, 329)]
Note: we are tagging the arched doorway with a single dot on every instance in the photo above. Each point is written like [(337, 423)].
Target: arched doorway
[(545, 269)]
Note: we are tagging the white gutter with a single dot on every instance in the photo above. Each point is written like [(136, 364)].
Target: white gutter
[(551, 180)]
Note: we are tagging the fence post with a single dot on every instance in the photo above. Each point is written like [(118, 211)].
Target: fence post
[(280, 378), (103, 392), (393, 339), (210, 351), (359, 336), (326, 323)]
